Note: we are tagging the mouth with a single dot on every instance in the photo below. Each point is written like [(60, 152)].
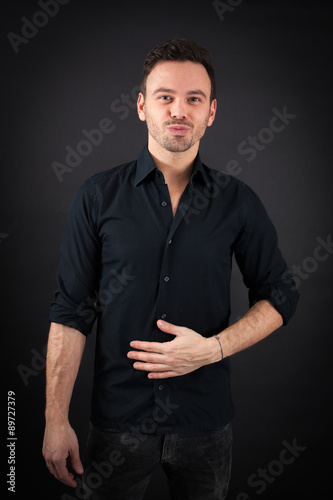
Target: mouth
[(178, 129)]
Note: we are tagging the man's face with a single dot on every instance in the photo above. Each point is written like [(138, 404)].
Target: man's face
[(177, 105)]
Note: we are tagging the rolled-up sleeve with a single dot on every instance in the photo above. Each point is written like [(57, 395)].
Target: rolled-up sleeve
[(265, 272), (75, 296)]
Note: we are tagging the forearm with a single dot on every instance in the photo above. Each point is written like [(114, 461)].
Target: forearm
[(64, 354), (260, 320)]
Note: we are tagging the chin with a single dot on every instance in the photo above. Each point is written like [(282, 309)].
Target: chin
[(173, 147)]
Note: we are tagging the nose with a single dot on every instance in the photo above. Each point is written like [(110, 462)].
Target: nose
[(178, 110)]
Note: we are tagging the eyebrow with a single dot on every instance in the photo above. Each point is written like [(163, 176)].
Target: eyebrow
[(171, 91)]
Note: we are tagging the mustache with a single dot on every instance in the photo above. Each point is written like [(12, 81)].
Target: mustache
[(179, 122)]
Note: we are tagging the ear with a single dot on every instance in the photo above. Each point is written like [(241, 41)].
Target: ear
[(141, 107), (212, 112)]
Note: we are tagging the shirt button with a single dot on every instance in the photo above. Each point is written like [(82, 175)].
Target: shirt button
[(160, 387), (164, 203), (170, 241), (166, 279), (163, 316)]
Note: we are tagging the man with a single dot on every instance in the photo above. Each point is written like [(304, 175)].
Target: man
[(147, 250)]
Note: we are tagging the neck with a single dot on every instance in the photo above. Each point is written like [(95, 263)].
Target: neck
[(177, 168)]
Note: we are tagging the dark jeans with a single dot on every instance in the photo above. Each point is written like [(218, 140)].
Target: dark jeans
[(118, 465)]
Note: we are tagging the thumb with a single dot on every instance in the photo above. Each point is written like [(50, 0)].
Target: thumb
[(168, 327), (76, 461)]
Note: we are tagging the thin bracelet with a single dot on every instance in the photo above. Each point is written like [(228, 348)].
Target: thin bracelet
[(218, 338)]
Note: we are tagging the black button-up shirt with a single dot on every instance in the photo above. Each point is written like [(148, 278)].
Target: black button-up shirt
[(127, 261)]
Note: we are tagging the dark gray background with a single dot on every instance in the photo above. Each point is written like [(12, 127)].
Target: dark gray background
[(267, 54)]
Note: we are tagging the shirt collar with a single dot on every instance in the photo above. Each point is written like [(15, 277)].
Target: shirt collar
[(146, 165)]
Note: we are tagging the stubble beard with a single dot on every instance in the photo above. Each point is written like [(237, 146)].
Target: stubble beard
[(176, 143)]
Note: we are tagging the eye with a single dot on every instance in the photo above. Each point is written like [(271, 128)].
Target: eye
[(194, 99), (165, 98)]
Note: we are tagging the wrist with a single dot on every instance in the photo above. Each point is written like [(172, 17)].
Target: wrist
[(220, 345), (56, 417), (214, 350)]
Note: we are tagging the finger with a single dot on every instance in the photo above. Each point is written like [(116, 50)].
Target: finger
[(158, 347), (52, 469), (49, 466), (168, 327), (60, 471), (151, 367), (76, 461), (162, 375), (146, 356)]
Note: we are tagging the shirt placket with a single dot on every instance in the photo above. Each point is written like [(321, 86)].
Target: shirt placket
[(167, 221), (171, 223)]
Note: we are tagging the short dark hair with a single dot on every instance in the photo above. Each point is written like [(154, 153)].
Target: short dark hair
[(179, 49)]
